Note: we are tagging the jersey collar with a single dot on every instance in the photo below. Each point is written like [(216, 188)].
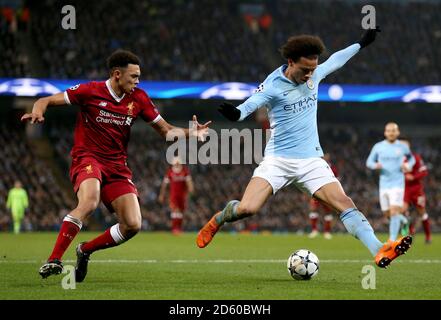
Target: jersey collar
[(112, 93), (282, 75)]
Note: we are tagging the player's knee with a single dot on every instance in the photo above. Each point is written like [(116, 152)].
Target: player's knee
[(247, 208), (89, 204), (131, 228)]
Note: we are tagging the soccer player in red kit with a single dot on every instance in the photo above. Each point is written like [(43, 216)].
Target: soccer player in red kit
[(179, 178), (99, 169), (414, 193), (315, 206)]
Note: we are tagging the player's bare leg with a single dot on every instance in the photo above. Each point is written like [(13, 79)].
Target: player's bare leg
[(129, 217), (88, 198), (255, 196), (356, 223)]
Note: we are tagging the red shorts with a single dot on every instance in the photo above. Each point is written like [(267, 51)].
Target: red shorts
[(115, 178), (315, 204), (178, 203), (415, 196)]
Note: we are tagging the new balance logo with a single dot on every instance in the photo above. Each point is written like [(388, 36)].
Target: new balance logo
[(103, 104)]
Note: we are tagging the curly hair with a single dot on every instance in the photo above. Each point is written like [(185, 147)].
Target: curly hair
[(302, 46)]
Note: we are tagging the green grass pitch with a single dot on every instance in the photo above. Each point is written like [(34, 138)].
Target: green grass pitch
[(156, 266)]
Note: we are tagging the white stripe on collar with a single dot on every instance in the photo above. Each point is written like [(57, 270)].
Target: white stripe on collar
[(112, 93)]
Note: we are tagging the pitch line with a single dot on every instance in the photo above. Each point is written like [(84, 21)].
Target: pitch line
[(218, 261)]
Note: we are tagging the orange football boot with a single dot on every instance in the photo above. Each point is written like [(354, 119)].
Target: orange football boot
[(391, 250), (207, 233)]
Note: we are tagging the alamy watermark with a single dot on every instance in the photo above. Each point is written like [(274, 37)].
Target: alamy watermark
[(230, 146), (369, 280), (68, 281), (369, 21), (69, 21)]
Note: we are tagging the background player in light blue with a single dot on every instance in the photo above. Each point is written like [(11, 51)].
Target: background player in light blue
[(293, 153), (389, 156)]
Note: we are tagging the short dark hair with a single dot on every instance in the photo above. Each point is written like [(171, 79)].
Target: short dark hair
[(121, 59), (302, 46)]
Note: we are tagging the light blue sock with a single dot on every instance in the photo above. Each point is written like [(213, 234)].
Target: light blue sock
[(403, 219), (229, 213), (394, 226), (357, 225)]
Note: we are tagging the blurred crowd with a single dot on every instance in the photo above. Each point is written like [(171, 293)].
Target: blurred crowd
[(14, 61), (231, 40), (214, 184), (47, 203)]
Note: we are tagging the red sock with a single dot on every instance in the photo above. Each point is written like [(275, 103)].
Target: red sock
[(176, 221), (327, 226), (110, 238), (412, 228), (313, 222), (176, 224), (426, 226), (69, 229)]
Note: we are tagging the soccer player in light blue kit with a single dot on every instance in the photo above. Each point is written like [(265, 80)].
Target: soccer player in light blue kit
[(389, 157), (293, 153)]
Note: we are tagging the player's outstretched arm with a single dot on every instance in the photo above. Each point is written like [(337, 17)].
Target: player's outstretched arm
[(368, 37), (229, 111), (339, 58), (40, 106), (262, 96), (200, 131)]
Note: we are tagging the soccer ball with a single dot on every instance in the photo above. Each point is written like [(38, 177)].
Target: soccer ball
[(303, 264)]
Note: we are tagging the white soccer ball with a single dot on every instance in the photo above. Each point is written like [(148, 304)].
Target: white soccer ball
[(303, 264)]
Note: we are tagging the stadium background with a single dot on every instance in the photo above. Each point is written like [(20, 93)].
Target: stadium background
[(197, 41)]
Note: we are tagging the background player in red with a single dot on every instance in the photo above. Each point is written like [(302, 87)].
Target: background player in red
[(316, 208), (179, 179), (99, 169), (414, 193)]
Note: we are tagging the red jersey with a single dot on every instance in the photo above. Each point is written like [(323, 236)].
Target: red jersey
[(419, 171), (178, 183), (334, 170), (103, 124)]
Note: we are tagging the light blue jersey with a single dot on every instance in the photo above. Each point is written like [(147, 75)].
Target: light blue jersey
[(292, 108), (391, 156)]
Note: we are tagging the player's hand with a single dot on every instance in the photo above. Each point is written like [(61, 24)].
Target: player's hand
[(378, 166), (229, 111), (33, 117), (161, 199), (199, 130), (368, 37), (405, 167), (409, 177)]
